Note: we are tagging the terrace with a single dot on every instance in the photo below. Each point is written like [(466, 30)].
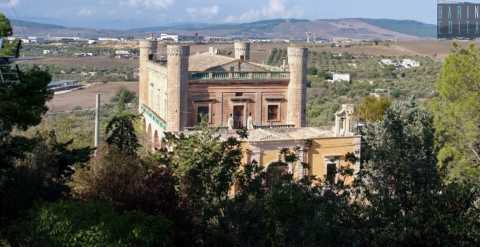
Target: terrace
[(247, 76)]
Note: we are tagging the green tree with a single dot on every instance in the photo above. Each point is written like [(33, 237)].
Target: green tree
[(205, 167), (372, 109), (44, 166), (9, 47), (403, 199), (89, 224), (5, 26), (121, 133), (122, 98), (456, 111)]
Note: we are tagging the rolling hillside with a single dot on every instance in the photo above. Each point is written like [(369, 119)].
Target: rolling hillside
[(268, 29)]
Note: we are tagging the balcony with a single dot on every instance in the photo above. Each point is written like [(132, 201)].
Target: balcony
[(239, 76)]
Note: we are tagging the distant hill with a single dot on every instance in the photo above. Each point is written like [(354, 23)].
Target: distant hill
[(409, 27), (268, 29), (30, 24)]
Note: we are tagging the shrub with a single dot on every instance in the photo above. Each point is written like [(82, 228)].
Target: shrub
[(67, 223)]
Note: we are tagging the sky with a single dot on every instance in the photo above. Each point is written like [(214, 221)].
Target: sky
[(122, 14)]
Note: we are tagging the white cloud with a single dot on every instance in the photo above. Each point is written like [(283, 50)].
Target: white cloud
[(274, 9), (150, 3), (84, 12), (203, 12)]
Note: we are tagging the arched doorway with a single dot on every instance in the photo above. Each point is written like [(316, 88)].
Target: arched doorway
[(276, 172), (149, 136)]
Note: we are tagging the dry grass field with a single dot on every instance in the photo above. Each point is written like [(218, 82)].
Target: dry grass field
[(85, 98), (101, 62)]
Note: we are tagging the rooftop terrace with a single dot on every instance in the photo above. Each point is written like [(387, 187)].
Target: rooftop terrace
[(255, 76)]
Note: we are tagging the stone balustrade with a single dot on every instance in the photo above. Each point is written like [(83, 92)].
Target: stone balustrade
[(254, 76)]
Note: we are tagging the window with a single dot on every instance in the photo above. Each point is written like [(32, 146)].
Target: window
[(459, 12), (331, 172), (203, 114), (440, 12), (238, 94), (273, 113)]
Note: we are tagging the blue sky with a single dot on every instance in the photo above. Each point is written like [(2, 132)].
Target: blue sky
[(143, 13)]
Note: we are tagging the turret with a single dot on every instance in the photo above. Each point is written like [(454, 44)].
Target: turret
[(297, 88), (242, 51), (177, 87), (344, 121), (147, 51)]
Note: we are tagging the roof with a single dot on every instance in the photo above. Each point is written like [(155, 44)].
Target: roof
[(205, 61), (281, 134), (61, 82), (287, 134)]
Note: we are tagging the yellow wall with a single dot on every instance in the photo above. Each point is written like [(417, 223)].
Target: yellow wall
[(319, 150), (269, 156), (322, 148)]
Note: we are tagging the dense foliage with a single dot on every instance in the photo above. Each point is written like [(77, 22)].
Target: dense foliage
[(372, 109), (89, 224), (457, 115)]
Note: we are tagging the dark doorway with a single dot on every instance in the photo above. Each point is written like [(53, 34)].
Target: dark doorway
[(203, 113), (238, 116)]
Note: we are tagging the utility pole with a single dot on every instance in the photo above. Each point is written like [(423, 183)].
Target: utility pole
[(97, 121)]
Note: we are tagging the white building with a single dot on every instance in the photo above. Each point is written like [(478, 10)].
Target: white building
[(171, 37), (388, 62), (46, 52), (83, 54), (403, 64), (122, 53), (108, 39), (340, 77), (409, 63)]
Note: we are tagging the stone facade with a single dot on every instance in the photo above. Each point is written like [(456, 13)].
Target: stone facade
[(184, 90)]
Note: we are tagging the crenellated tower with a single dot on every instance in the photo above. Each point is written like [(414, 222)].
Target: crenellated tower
[(297, 87), (242, 51), (148, 49), (177, 87)]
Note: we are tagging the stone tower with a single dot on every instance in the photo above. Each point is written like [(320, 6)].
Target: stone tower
[(242, 50), (147, 51), (297, 88), (177, 87)]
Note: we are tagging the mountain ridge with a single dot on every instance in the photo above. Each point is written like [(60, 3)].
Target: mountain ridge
[(359, 28)]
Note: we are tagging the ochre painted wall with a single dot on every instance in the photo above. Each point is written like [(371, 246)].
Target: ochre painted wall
[(318, 152), (322, 148)]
